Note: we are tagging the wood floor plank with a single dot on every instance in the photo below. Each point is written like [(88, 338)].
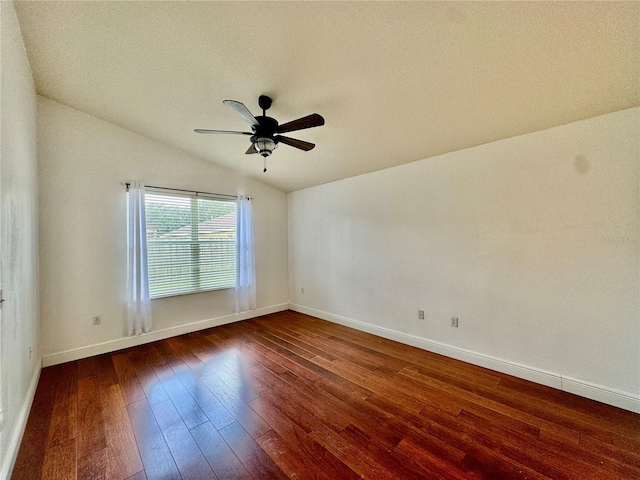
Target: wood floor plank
[(313, 371), (232, 376), (482, 457), (501, 419), (60, 461), (152, 387), (86, 367), (214, 410), (622, 457), (409, 388), (351, 455), (65, 411), (404, 425), (618, 419), (91, 434), (156, 456), (465, 398), (187, 364), (292, 347), (360, 355), (138, 476), (629, 443), (30, 459), (423, 455), (483, 452), (219, 455), (291, 396), (388, 457), (243, 414), (179, 395), (290, 337), (362, 413), (188, 457), (517, 447), (127, 378), (445, 452), (151, 354), (299, 442), (122, 449), (226, 350), (369, 380), (269, 390), (294, 393), (329, 409), (105, 371), (261, 359), (281, 356), (588, 459), (94, 466), (258, 463), (165, 354), (290, 462)]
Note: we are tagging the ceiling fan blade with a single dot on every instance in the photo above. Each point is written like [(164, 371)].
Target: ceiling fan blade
[(242, 111), (200, 130), (302, 145), (310, 121), (252, 149)]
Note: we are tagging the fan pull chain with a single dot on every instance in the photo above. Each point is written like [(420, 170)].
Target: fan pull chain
[(265, 165)]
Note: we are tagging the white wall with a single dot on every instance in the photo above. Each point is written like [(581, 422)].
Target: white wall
[(82, 162), (532, 242), (19, 322)]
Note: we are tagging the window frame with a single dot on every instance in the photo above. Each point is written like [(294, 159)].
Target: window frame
[(196, 278)]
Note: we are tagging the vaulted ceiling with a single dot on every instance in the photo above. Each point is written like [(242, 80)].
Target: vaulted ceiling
[(395, 81)]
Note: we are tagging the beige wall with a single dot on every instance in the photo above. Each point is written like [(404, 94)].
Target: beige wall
[(82, 162), (532, 242), (19, 322)]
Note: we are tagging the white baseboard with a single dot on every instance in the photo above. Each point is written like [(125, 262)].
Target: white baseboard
[(617, 398), (126, 342), (18, 429), (602, 394)]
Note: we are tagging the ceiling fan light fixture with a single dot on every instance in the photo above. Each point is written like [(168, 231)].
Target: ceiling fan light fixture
[(265, 146)]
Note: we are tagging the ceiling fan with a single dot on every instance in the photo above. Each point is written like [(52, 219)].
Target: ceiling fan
[(265, 134)]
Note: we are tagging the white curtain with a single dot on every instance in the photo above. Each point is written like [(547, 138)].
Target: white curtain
[(138, 314), (245, 261)]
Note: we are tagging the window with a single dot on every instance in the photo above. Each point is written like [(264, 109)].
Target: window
[(191, 243)]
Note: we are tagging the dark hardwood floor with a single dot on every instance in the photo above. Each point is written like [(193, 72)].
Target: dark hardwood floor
[(291, 396)]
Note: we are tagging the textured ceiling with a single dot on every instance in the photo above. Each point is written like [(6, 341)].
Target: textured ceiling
[(395, 81)]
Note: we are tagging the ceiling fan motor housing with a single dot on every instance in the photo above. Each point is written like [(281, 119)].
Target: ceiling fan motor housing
[(263, 139), (266, 127)]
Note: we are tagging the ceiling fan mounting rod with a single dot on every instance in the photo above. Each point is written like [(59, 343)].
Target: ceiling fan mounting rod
[(265, 104)]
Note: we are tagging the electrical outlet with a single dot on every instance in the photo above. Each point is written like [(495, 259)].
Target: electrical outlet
[(454, 322), (420, 314), (97, 320), (302, 290)]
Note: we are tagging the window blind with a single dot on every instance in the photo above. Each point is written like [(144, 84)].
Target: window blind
[(191, 243)]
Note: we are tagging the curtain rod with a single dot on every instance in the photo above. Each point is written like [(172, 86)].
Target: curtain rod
[(190, 191)]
